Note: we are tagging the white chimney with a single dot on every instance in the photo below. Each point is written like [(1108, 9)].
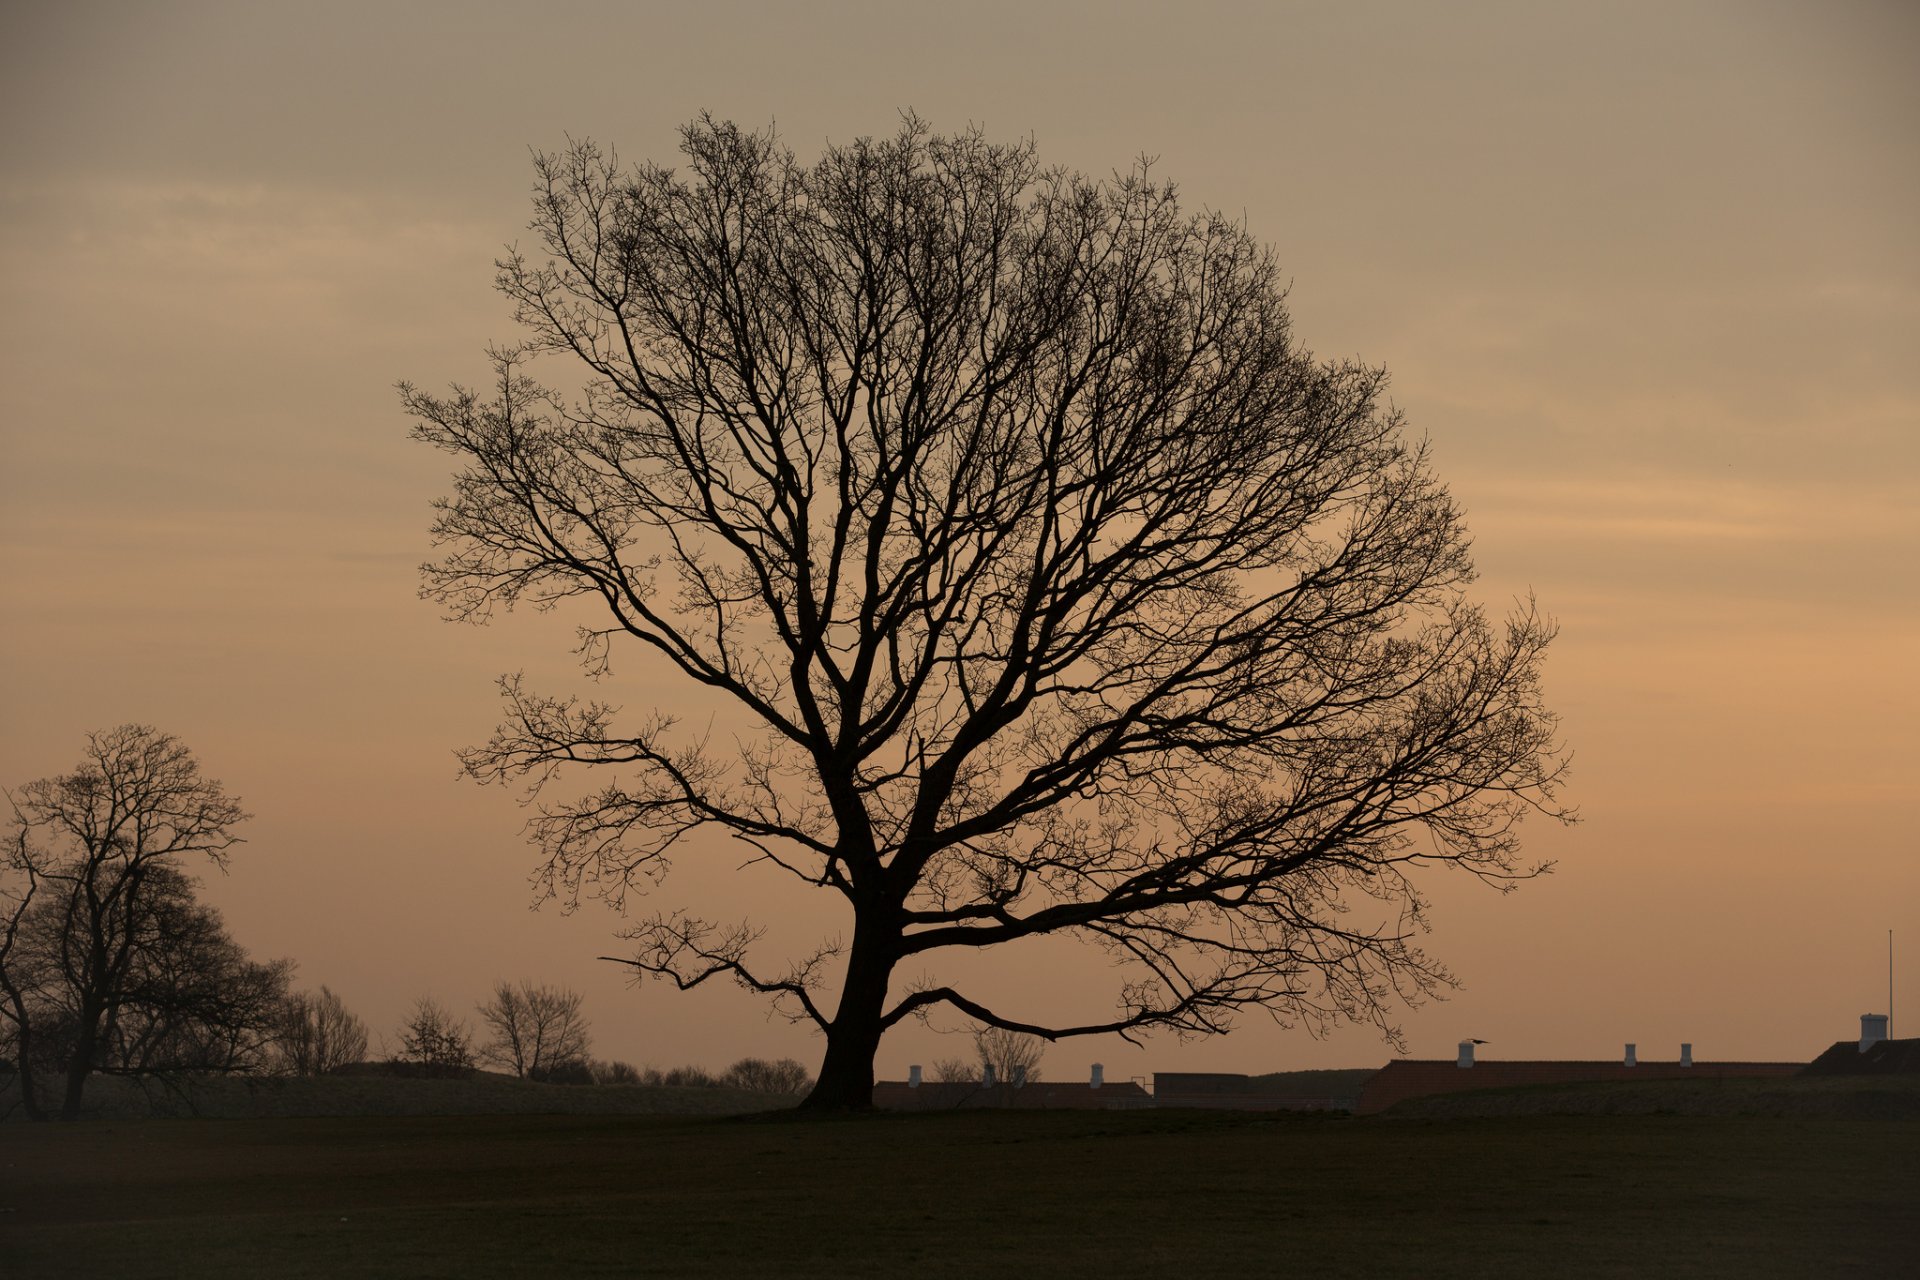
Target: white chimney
[(913, 1077), (1630, 1055), (1686, 1055), (1099, 1076), (1873, 1029), (1019, 1080), (986, 1076), (1466, 1053)]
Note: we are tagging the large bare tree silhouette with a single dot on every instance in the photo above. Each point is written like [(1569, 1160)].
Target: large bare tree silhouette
[(1071, 594)]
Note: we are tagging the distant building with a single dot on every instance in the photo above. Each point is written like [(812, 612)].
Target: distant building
[(1222, 1091), (1418, 1078), (899, 1095), (1095, 1094), (1872, 1055)]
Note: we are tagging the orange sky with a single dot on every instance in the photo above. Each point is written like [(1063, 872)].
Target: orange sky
[(1647, 274)]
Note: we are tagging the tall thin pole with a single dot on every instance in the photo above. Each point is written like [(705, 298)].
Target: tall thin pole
[(1889, 984)]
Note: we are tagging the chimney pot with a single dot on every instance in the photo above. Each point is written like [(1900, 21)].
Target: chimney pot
[(1466, 1053), (986, 1076), (913, 1077), (1019, 1078), (1631, 1061), (1873, 1029), (1099, 1076), (1686, 1055)]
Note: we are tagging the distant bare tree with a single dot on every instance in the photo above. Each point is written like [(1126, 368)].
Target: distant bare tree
[(433, 1041), (190, 999), (194, 1000), (20, 884), (94, 897), (1013, 1055), (319, 1034), (955, 1071), (535, 1029), (616, 1072), (1064, 591), (783, 1076)]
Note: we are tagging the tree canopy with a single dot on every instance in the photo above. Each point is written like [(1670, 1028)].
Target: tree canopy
[(107, 960), (1069, 592)]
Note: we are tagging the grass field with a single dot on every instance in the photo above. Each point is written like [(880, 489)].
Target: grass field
[(1003, 1193)]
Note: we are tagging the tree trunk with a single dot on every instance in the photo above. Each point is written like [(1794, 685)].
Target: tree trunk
[(846, 1073), (23, 1072), (80, 1065), (23, 1048)]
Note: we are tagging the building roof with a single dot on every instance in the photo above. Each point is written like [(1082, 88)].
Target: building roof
[(1040, 1095), (1219, 1090), (1883, 1057), (1406, 1078)]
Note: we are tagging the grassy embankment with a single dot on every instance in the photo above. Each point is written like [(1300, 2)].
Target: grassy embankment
[(1111, 1194)]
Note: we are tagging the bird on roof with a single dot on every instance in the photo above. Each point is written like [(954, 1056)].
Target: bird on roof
[(1470, 1041)]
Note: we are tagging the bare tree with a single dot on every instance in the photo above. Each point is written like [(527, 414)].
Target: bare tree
[(189, 998), (92, 872), (434, 1042), (318, 1034), (615, 1072), (955, 1071), (1056, 587), (20, 884), (683, 1078), (535, 1030), (781, 1076), (193, 999), (1013, 1056)]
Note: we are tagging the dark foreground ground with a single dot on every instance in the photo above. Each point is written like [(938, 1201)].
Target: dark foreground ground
[(1005, 1194)]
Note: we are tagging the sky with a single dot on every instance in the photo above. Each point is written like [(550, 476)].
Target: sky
[(1647, 276)]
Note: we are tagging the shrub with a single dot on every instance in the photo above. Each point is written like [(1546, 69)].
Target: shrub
[(433, 1042), (690, 1078), (615, 1073), (784, 1076)]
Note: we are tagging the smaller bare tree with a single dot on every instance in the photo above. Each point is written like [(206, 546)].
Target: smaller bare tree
[(97, 917), (615, 1072), (535, 1030), (955, 1071), (784, 1076), (319, 1034), (1012, 1056), (684, 1078), (434, 1042)]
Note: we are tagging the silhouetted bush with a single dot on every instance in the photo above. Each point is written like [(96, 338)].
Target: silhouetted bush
[(784, 1076), (615, 1073), (690, 1078)]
